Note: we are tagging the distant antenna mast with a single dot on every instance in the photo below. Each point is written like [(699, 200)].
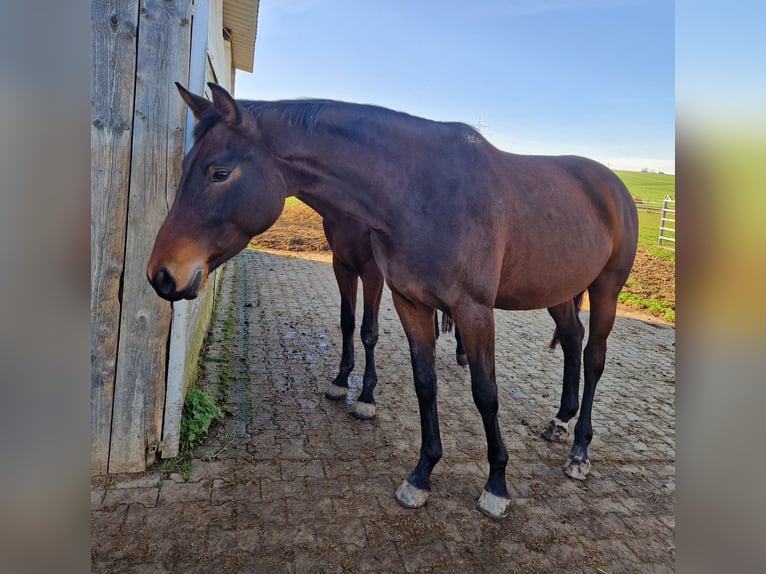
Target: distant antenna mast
[(481, 127)]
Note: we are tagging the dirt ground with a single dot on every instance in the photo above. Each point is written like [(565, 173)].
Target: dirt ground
[(289, 482), (300, 229)]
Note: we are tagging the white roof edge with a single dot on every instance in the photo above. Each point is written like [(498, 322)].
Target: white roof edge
[(240, 17)]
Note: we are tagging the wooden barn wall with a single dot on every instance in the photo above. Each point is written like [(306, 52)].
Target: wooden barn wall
[(139, 50), (114, 28)]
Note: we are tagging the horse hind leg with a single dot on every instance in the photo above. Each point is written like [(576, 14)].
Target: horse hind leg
[(447, 325), (603, 307), (372, 287), (347, 285), (569, 333)]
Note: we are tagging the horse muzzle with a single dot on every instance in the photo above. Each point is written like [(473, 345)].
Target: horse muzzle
[(166, 286)]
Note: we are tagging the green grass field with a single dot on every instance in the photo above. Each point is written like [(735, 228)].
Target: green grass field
[(650, 187), (292, 200)]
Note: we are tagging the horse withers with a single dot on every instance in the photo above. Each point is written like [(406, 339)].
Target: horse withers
[(456, 225)]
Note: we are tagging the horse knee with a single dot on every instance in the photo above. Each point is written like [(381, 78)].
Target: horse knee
[(485, 399), (347, 324), (369, 337), (594, 360), (571, 336)]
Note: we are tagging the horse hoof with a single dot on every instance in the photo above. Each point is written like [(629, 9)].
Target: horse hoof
[(462, 359), (492, 505), (577, 469), (336, 393), (363, 411), (556, 431), (411, 496)]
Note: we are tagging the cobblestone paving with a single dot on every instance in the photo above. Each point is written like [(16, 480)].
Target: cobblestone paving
[(291, 483)]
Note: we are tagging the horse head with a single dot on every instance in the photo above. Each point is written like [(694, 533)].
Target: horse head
[(229, 191)]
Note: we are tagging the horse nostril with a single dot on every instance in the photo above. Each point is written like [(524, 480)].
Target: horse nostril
[(163, 282)]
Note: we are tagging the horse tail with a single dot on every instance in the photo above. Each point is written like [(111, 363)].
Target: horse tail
[(578, 304), (447, 323)]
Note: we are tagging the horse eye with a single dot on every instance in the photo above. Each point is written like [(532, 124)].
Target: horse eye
[(220, 175)]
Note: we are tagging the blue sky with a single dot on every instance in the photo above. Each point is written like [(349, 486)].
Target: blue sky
[(586, 77), (720, 60)]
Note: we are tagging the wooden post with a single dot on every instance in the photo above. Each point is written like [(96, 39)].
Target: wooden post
[(158, 130), (113, 47)]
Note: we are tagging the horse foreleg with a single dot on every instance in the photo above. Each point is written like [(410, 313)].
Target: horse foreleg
[(477, 325), (372, 288), (603, 307), (347, 285), (417, 321), (570, 332)]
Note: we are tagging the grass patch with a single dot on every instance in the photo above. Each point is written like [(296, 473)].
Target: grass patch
[(648, 232), (292, 200), (200, 410), (656, 307), (648, 186), (198, 414), (652, 187)]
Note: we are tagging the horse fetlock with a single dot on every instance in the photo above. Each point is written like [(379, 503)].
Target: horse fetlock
[(493, 505), (364, 411), (556, 431), (335, 392), (411, 496), (462, 359)]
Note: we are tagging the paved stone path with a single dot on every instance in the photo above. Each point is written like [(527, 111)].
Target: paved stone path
[(290, 483)]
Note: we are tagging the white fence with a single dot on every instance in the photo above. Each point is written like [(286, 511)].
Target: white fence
[(667, 233)]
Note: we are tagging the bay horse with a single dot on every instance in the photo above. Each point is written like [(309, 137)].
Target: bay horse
[(352, 259), (456, 224)]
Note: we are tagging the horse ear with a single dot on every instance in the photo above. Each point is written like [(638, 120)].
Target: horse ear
[(197, 104), (226, 105)]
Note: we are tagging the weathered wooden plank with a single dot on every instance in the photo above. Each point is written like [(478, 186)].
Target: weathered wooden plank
[(113, 61), (163, 58), (192, 318)]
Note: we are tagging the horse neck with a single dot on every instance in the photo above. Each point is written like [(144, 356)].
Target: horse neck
[(332, 173)]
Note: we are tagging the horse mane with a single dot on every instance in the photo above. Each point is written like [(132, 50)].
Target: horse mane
[(301, 113), (304, 114)]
